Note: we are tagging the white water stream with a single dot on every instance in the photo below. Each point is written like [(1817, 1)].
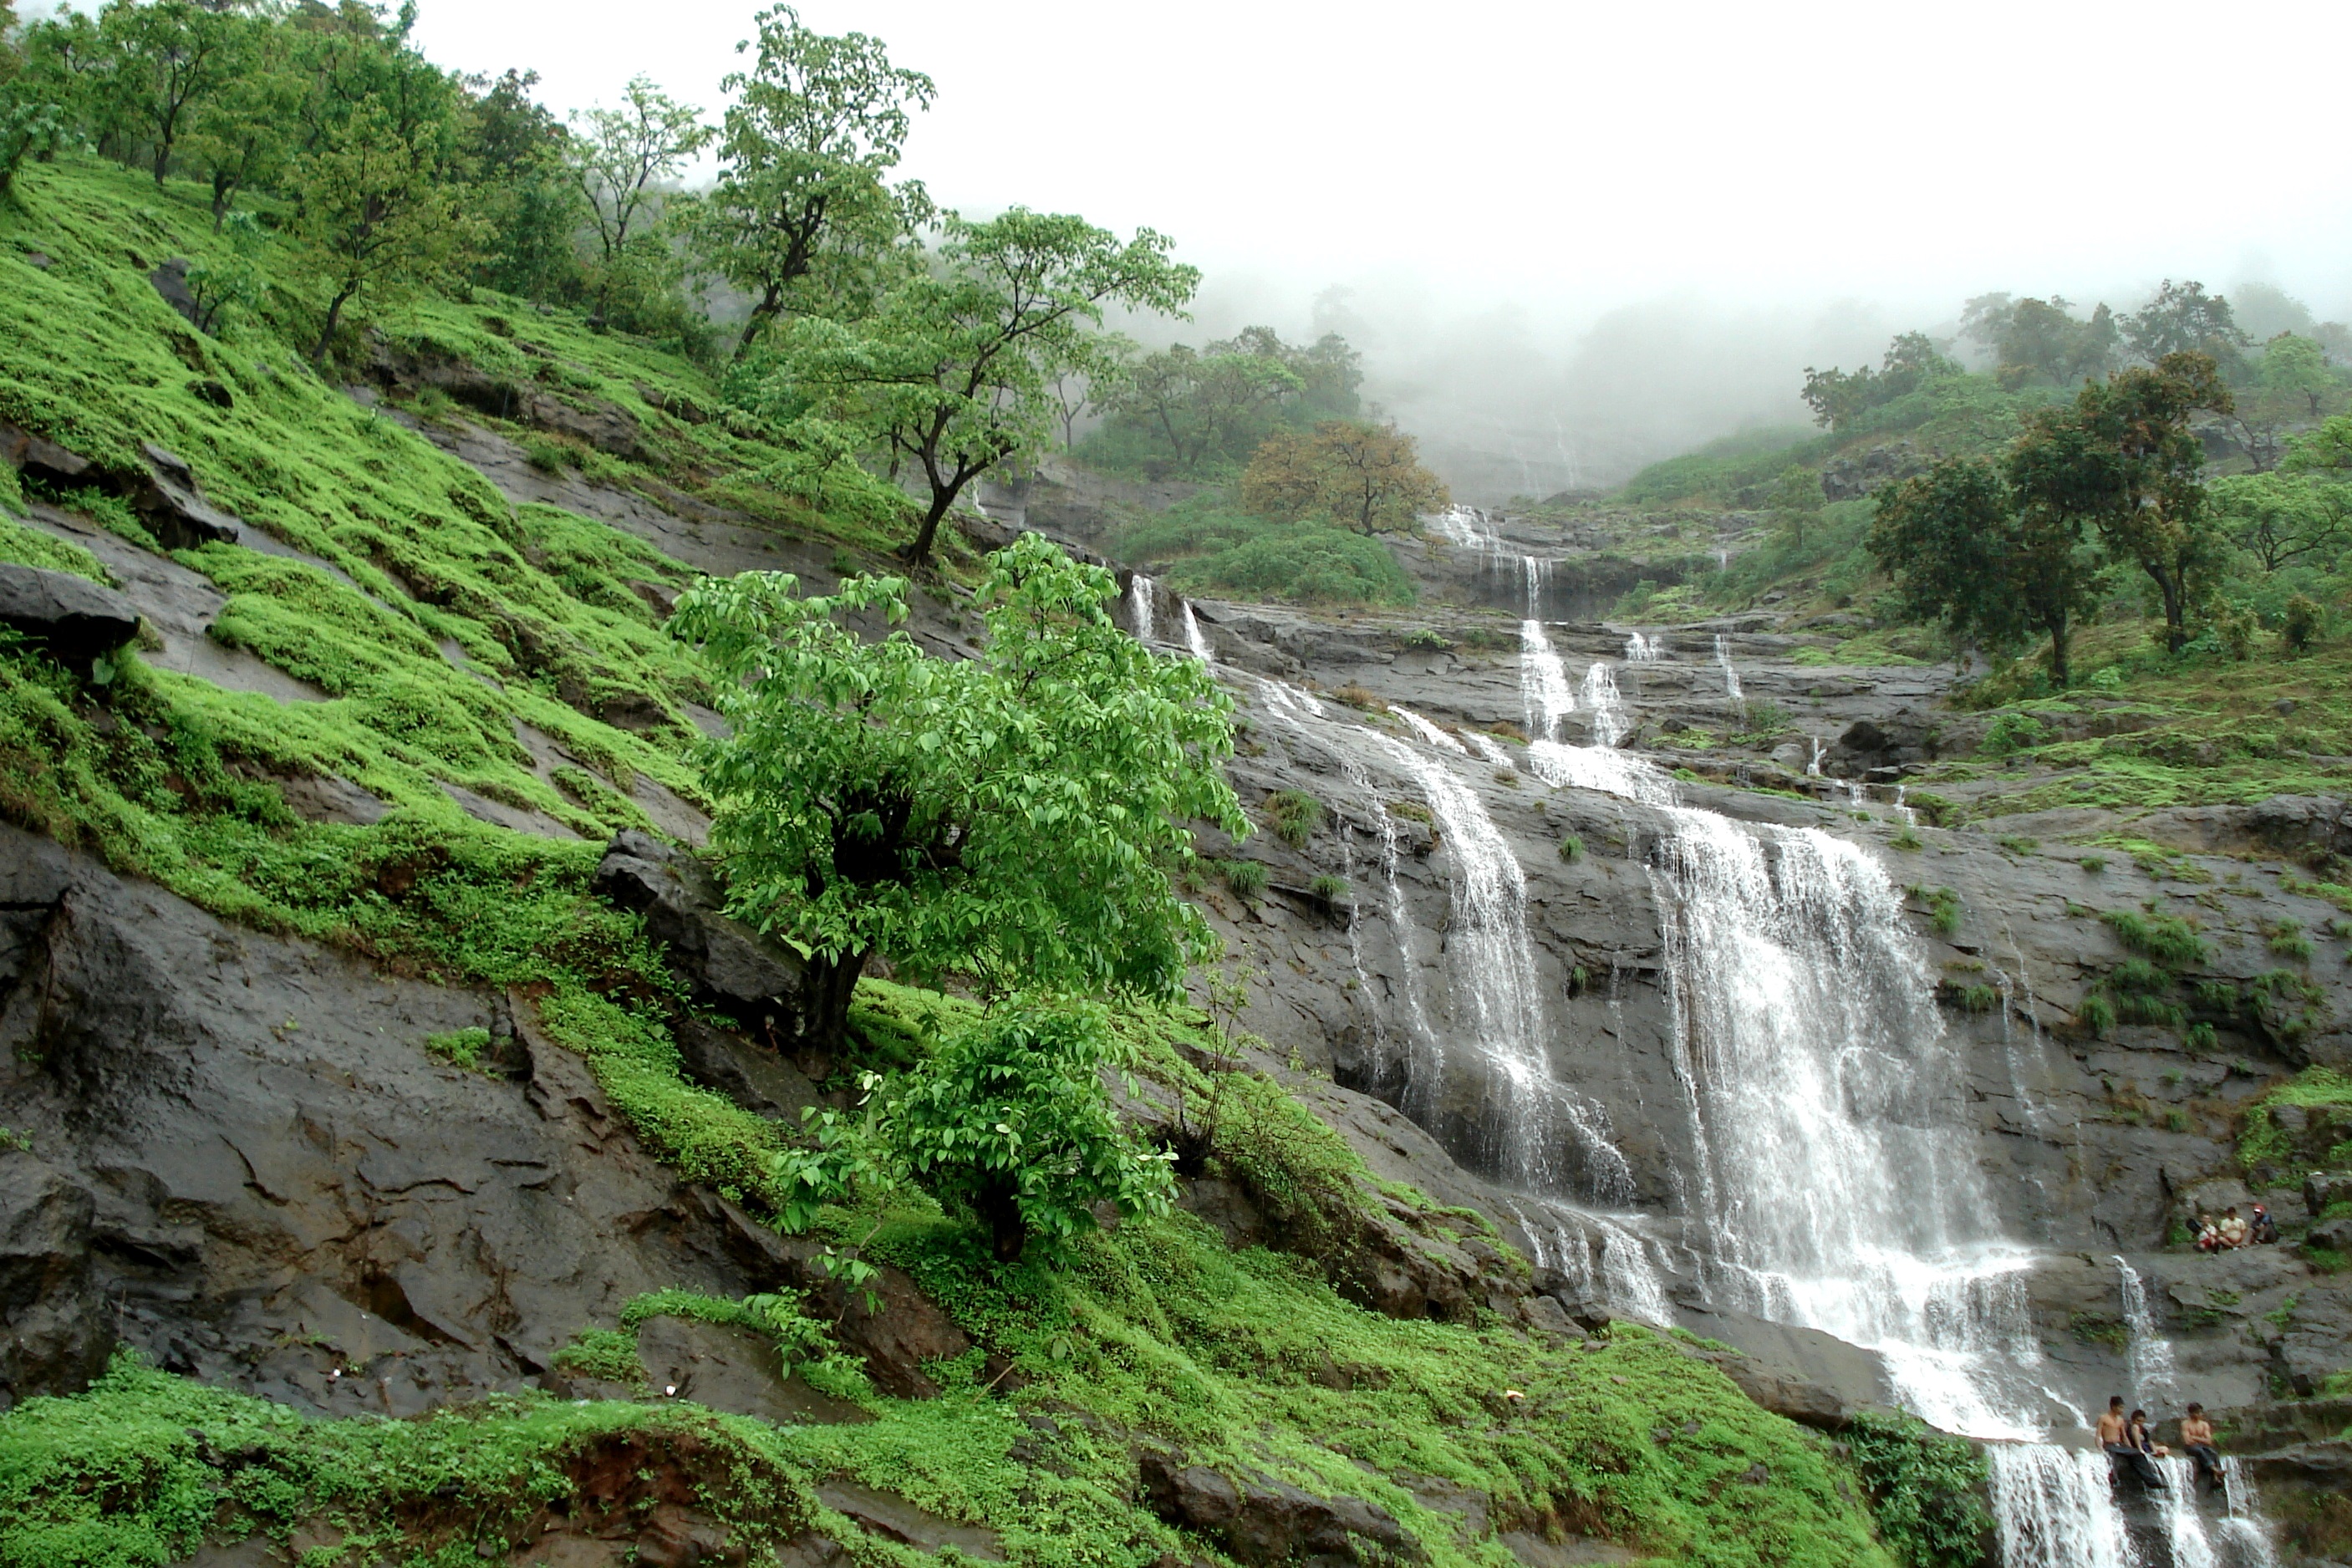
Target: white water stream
[(1140, 589), (1832, 1181)]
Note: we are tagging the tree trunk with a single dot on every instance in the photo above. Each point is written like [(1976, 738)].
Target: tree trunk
[(824, 1017), (1008, 1235), (326, 333), (919, 553), (2059, 671), (762, 314)]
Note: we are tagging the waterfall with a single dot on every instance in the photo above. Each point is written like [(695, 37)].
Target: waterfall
[(1194, 638), (1599, 693), (1538, 573), (1730, 675), (1430, 733), (1641, 649), (1814, 763), (1535, 1129), (2148, 1355), (1139, 590), (1469, 526), (2056, 1508), (1543, 683)]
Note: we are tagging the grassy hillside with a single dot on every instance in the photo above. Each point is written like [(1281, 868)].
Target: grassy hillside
[(432, 618)]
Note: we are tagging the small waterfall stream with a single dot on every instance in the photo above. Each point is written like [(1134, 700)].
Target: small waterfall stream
[(1140, 590)]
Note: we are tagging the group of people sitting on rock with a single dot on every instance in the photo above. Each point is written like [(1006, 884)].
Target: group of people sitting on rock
[(2229, 1231), (2125, 1438)]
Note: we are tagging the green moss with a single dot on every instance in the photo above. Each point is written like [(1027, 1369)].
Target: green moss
[(460, 1047), (2264, 1141)]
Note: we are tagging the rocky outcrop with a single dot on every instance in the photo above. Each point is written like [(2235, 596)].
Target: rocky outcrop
[(1262, 1521), (725, 963), (594, 421), (75, 619), (240, 1147), (1849, 478), (161, 489)]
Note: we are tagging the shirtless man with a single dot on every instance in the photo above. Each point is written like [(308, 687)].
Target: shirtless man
[(2197, 1439), (2115, 1437)]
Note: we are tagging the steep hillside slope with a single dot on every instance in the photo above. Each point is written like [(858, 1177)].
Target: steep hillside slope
[(406, 1202)]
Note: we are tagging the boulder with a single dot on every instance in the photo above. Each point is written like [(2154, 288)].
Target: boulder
[(43, 461), (171, 281), (2332, 1235), (168, 499), (56, 1337), (74, 618), (727, 966), (1262, 1521), (2324, 1189)]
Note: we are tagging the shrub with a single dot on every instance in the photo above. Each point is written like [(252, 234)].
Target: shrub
[(1246, 877), (2287, 939), (1426, 639), (1010, 1125), (1925, 1487), (1908, 839), (460, 1047), (1307, 563), (2097, 1014), (2301, 627), (1294, 816), (2012, 732), (1571, 848), (2201, 1037), (1330, 889), (2094, 863)]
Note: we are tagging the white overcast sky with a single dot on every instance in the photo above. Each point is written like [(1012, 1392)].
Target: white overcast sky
[(1543, 151), (1492, 178)]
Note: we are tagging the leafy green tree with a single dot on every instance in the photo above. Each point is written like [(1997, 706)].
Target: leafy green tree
[(1838, 397), (379, 211), (618, 157), (1964, 552), (2032, 338), (520, 187), (1197, 401), (954, 369), (2181, 318), (1017, 816), (1365, 476), (1009, 1123), (240, 133), (2282, 519), (169, 55), (2125, 459), (2297, 367), (32, 119), (2327, 449), (817, 125)]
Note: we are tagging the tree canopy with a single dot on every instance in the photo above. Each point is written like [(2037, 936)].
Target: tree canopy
[(1359, 476), (1018, 816), (954, 371)]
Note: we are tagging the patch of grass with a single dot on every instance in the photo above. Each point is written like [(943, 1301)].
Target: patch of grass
[(1330, 889), (2285, 938), (2167, 939), (2092, 864), (460, 1047), (1571, 848), (2263, 1142), (1907, 839), (1246, 878), (1294, 816), (1943, 908)]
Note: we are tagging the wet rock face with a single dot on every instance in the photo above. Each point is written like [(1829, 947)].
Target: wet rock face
[(241, 1159)]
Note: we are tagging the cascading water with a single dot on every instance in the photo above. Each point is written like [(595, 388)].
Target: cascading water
[(2148, 1355), (1543, 683), (1730, 673), (1139, 591), (1835, 1183), (1641, 649), (1599, 694), (1196, 640)]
